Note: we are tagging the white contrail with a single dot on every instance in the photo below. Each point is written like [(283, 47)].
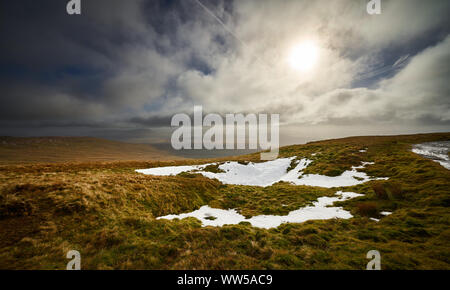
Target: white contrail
[(220, 22), (230, 31), (382, 70)]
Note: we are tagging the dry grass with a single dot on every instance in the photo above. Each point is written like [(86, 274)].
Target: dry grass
[(16, 150), (367, 209), (107, 212)]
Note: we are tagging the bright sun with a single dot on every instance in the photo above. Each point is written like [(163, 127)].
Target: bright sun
[(304, 56)]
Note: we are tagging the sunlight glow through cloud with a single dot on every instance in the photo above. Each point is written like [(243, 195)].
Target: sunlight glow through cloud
[(304, 56)]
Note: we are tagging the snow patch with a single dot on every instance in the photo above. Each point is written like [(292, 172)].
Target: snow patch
[(320, 210), (267, 173), (259, 174), (171, 170), (347, 178), (436, 151), (384, 213)]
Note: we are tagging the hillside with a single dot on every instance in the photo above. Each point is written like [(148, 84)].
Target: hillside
[(117, 218), (70, 149)]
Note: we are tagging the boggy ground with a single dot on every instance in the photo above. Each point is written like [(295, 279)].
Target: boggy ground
[(107, 212)]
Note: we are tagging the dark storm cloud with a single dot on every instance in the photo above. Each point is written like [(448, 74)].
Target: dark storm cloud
[(156, 121)]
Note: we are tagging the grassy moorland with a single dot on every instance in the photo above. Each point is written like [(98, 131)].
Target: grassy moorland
[(107, 212), (15, 150)]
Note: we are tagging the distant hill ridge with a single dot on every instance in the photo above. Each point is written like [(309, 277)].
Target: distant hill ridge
[(16, 150), (73, 149)]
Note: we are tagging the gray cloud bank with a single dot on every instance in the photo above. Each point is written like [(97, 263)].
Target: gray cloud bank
[(123, 68)]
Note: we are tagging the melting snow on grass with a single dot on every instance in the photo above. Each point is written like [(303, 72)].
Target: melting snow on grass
[(384, 213), (259, 174), (347, 178), (320, 210), (268, 173), (171, 170), (436, 151)]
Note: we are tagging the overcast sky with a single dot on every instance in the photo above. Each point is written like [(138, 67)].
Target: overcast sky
[(122, 69)]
